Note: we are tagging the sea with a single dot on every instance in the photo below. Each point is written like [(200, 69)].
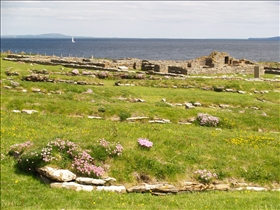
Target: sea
[(150, 49)]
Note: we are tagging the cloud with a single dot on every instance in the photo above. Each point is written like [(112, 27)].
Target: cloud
[(189, 19)]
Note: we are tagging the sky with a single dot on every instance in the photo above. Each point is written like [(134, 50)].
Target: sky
[(142, 19)]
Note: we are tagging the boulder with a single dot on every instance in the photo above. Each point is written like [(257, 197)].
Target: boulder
[(60, 175)]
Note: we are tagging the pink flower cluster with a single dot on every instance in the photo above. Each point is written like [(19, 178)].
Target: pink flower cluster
[(83, 163), (207, 120), (145, 142), (205, 176), (19, 148), (60, 145), (111, 148)]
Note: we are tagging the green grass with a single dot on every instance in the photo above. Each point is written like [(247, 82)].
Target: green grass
[(245, 146)]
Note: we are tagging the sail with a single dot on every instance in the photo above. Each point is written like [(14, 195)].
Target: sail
[(73, 41)]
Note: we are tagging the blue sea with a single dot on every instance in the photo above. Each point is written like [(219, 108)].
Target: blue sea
[(151, 49)]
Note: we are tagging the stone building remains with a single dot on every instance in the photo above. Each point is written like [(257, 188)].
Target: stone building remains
[(215, 63)]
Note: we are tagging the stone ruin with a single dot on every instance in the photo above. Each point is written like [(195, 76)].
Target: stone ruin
[(215, 63)]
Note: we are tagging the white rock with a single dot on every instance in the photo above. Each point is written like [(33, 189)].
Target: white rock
[(60, 175), (189, 106), (111, 188), (241, 92), (36, 90), (122, 68), (197, 104), (16, 111), (72, 186), (94, 117), (90, 181), (256, 188), (27, 111)]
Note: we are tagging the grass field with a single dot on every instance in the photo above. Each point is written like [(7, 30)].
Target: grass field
[(243, 147)]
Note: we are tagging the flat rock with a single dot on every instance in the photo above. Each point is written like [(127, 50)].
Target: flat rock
[(94, 117), (60, 175), (27, 111), (90, 181), (120, 189), (36, 90), (189, 106), (136, 118), (72, 186), (221, 186)]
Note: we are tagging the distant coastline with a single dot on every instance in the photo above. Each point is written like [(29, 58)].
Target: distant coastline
[(62, 36)]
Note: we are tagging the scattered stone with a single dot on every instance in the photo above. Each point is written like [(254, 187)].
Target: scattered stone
[(36, 90), (94, 117), (197, 104), (27, 111), (191, 119), (75, 72), (136, 118), (60, 175), (162, 121), (241, 92), (14, 84), (229, 90), (189, 106), (252, 188), (16, 111), (255, 108), (123, 68), (8, 87), (138, 100), (264, 91), (223, 106)]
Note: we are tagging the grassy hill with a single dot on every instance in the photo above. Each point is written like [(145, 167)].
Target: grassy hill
[(244, 146)]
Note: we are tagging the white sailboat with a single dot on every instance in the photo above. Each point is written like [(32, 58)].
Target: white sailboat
[(73, 41)]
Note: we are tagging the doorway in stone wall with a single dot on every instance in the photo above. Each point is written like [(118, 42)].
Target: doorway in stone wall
[(226, 59)]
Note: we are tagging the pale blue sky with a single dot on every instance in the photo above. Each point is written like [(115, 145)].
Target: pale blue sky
[(142, 19)]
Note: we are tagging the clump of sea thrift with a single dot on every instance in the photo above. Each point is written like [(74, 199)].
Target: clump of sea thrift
[(143, 142), (64, 154), (111, 148), (205, 176), (207, 120), (83, 163)]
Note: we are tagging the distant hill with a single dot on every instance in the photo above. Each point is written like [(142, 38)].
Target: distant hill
[(40, 36), (269, 38)]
